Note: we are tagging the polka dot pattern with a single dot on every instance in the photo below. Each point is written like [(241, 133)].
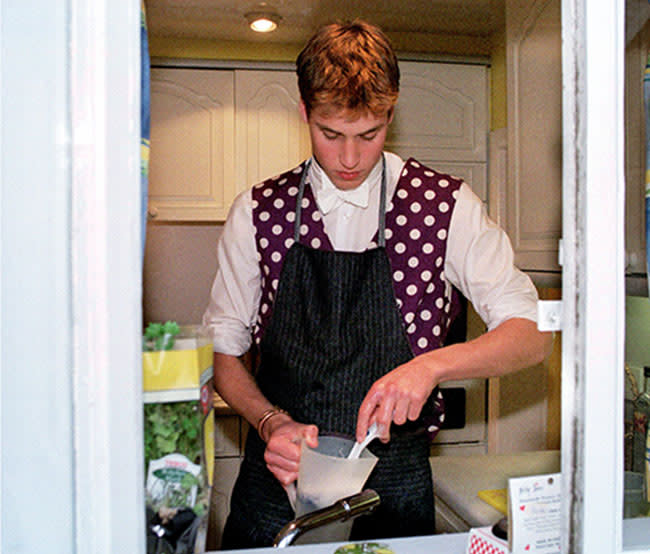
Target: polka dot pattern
[(422, 208), (417, 220)]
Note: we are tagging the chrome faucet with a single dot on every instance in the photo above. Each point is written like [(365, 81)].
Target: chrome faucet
[(342, 510)]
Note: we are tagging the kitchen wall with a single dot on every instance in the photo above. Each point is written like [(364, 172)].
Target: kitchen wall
[(412, 42), (180, 263)]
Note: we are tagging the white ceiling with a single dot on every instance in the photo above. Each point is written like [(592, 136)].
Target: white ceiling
[(224, 19)]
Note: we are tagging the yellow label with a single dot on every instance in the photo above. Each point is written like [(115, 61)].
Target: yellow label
[(208, 444), (175, 369)]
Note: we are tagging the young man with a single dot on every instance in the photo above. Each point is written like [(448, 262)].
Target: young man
[(341, 272)]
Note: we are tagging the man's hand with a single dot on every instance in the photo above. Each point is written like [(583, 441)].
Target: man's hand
[(282, 454), (396, 397), (399, 395)]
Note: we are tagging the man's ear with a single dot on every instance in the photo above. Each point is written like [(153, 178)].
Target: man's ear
[(391, 113), (303, 112)]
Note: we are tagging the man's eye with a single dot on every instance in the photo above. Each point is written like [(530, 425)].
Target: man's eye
[(369, 137), (330, 136)]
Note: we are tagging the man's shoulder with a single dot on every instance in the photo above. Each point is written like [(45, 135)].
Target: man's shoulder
[(278, 191), (419, 178), (413, 167), (280, 180)]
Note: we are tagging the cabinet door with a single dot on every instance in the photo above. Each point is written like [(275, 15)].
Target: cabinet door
[(271, 136), (227, 436), (225, 474), (191, 173), (534, 189), (441, 119), (638, 38)]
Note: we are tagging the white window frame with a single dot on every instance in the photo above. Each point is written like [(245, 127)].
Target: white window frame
[(593, 279), (104, 104)]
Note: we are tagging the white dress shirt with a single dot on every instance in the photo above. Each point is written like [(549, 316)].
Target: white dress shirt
[(479, 261)]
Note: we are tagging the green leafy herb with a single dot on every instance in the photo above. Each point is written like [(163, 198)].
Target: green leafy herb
[(160, 336), (172, 427), (364, 547), (175, 427)]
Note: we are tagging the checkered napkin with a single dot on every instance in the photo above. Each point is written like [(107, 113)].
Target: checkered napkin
[(483, 541)]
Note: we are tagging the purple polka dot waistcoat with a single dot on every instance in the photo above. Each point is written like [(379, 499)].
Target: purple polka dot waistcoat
[(417, 224)]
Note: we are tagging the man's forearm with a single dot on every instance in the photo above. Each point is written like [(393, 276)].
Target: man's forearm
[(238, 388), (513, 345)]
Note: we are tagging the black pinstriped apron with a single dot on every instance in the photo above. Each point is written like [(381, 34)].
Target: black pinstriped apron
[(334, 331)]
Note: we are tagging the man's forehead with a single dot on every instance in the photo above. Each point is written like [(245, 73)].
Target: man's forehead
[(333, 116)]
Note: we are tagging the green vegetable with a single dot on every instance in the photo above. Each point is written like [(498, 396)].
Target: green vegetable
[(175, 427), (364, 548), (172, 427), (178, 488), (160, 336)]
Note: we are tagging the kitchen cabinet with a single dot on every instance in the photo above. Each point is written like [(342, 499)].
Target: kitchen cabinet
[(636, 51), (442, 119), (270, 136), (533, 217), (192, 159), (214, 132), (533, 196)]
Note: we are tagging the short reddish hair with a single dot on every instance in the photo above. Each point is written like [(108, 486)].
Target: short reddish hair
[(349, 66)]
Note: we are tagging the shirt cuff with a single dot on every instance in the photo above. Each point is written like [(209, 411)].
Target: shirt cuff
[(228, 337)]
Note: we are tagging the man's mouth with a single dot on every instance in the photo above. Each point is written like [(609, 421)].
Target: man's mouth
[(349, 175)]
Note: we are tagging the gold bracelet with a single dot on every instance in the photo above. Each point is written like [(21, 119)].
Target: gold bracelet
[(268, 414)]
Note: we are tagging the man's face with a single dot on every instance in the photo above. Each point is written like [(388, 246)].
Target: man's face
[(346, 145)]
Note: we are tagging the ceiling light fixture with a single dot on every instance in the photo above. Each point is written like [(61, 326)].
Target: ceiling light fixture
[(263, 18)]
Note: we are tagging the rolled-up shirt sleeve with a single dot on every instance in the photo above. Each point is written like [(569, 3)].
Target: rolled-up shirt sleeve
[(480, 262), (236, 289)]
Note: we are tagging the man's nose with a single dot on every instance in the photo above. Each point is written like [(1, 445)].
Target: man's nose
[(349, 156)]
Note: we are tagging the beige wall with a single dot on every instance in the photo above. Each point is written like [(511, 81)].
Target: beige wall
[(498, 92), (175, 47), (179, 265)]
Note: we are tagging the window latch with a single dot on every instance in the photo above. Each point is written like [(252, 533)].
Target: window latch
[(549, 315)]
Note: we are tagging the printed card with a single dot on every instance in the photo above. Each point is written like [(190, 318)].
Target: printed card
[(534, 514)]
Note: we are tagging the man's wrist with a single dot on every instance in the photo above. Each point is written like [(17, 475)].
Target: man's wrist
[(264, 421)]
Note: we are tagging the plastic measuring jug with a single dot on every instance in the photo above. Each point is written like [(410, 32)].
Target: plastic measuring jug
[(327, 475)]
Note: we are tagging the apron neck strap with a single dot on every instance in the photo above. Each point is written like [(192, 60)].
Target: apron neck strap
[(381, 235), (301, 191), (381, 226)]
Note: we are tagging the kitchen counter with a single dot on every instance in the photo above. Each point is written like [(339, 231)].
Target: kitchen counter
[(458, 479), (449, 544)]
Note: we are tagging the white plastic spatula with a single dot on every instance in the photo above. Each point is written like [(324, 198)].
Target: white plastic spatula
[(373, 433)]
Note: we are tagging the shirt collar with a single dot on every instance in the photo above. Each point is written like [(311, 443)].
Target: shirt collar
[(329, 197)]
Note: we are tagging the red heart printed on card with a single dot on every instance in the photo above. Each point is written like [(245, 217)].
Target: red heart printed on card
[(522, 507), (527, 547)]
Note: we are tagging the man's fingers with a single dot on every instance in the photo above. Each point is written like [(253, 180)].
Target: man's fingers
[(366, 413)]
